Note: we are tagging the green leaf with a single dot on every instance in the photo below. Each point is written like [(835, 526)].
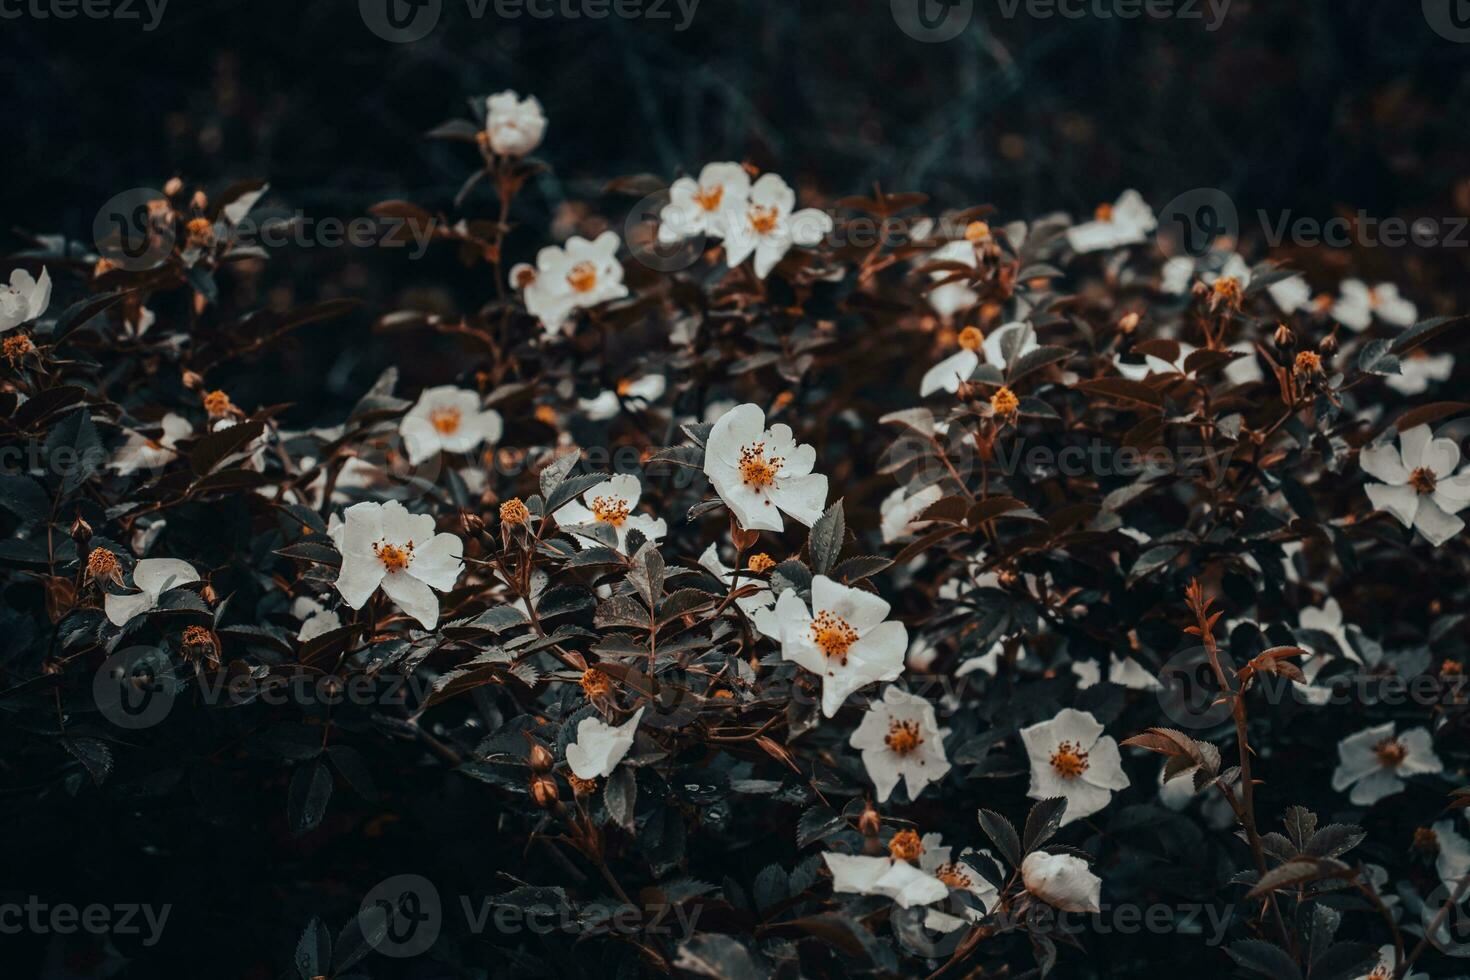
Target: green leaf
[(1000, 831), (306, 800), (825, 540)]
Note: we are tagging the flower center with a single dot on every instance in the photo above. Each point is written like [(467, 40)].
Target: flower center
[(953, 875), (906, 846), (1390, 753), (756, 470), (610, 510), (708, 198), (1422, 480), (445, 420), (1104, 212), (1004, 402), (582, 277), (971, 338), (833, 634), (394, 558), (763, 219), (1069, 760), (903, 737)]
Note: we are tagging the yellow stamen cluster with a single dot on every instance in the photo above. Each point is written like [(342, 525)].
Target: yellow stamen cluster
[(610, 510), (1227, 291), (1390, 752), (1308, 362), (1426, 840), (102, 564), (761, 562), (755, 469), (218, 404), (394, 558), (17, 347), (198, 644), (903, 736), (953, 875), (708, 198), (1422, 480), (833, 634), (595, 683), (1104, 212), (524, 277), (1069, 760), (971, 338), (976, 232), (582, 277), (580, 786), (200, 231), (763, 219), (514, 511), (1451, 668), (1005, 403), (445, 420), (906, 846)]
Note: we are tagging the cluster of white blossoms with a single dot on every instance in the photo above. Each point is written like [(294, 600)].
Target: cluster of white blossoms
[(577, 276), (1420, 486), (759, 219)]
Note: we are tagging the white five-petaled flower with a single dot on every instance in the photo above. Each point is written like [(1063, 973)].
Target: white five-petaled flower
[(892, 877), (447, 419), (759, 606), (1062, 880), (899, 737), (24, 299), (1453, 860), (1018, 339), (142, 453), (1385, 968), (957, 875), (1329, 620), (384, 545), (1071, 757), (638, 394), (1127, 221), (514, 125), (1419, 485), (1357, 305), (1374, 762), (1178, 273), (579, 276), (760, 473), (769, 226), (900, 511), (846, 638), (1290, 294), (600, 747), (1124, 671), (611, 502), (316, 618), (706, 206), (1417, 370), (153, 577)]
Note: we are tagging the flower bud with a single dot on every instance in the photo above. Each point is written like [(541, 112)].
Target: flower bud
[(543, 791), (870, 823), (81, 531), (472, 524), (541, 759), (1284, 338)]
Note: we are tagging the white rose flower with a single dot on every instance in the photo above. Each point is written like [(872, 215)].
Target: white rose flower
[(1062, 880), (1453, 860), (948, 373), (1419, 486), (892, 877), (600, 747), (1071, 757), (1127, 221), (952, 297), (1290, 294), (1417, 370), (899, 737), (140, 452), (637, 394), (1384, 970), (514, 125), (316, 618), (384, 545), (706, 206), (153, 577), (25, 299), (760, 472), (768, 227), (579, 276), (759, 606), (447, 419), (611, 502), (847, 641), (1357, 305), (958, 875), (1374, 762)]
